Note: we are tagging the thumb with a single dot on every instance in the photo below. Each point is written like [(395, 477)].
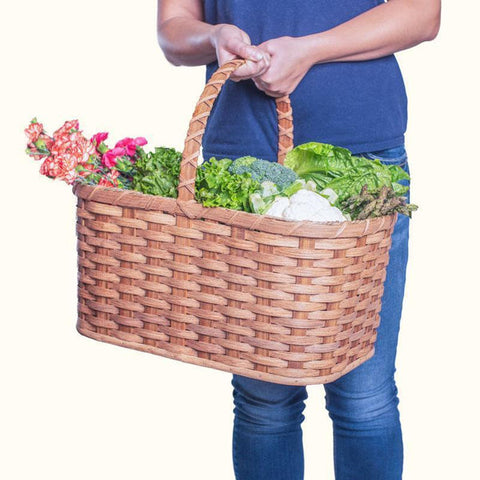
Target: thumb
[(242, 49), (266, 47)]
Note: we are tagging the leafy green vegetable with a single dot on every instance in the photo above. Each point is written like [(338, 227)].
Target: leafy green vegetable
[(336, 168), (156, 173), (216, 186), (263, 170), (319, 158)]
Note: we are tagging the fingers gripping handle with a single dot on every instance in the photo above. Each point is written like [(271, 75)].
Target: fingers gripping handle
[(193, 141)]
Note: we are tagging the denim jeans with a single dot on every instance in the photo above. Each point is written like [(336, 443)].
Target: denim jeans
[(267, 434)]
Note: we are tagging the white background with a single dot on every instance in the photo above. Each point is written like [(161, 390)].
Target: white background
[(73, 408)]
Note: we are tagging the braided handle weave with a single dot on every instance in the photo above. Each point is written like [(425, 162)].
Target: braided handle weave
[(193, 141)]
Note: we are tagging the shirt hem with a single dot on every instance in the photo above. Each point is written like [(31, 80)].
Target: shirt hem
[(366, 147), (355, 148)]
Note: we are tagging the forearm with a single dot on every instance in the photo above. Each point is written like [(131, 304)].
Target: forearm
[(187, 41), (381, 31)]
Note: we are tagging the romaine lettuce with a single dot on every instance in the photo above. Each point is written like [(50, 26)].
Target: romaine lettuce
[(336, 168)]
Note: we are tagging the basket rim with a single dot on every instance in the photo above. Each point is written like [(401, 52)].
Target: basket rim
[(195, 211)]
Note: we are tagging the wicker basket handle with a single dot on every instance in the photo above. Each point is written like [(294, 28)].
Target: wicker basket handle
[(193, 142)]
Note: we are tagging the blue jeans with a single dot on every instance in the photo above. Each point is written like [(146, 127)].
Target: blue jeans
[(267, 434)]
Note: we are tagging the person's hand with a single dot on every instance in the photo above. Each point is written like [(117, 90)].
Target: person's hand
[(289, 62), (231, 43)]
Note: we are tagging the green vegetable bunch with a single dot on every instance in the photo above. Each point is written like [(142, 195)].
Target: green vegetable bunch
[(370, 205), (263, 170), (157, 172), (337, 169), (216, 186)]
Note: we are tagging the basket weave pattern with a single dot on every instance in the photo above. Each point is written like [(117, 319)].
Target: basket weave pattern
[(287, 302)]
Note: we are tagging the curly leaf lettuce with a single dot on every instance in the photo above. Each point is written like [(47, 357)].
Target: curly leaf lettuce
[(215, 186), (156, 173)]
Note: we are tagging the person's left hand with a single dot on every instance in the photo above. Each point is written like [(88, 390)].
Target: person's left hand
[(289, 62)]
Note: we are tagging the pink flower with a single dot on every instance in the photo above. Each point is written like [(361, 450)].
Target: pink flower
[(130, 144), (74, 145), (99, 137), (67, 128), (65, 151), (118, 151), (33, 132), (68, 149), (109, 159), (50, 167), (60, 167), (39, 143)]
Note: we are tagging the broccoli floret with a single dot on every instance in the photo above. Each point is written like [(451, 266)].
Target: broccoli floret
[(244, 161), (263, 170), (242, 165)]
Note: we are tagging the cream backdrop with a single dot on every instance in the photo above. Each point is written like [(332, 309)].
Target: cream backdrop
[(73, 408)]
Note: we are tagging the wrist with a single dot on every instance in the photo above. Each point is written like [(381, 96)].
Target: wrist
[(306, 51), (213, 35), (315, 48), (216, 31)]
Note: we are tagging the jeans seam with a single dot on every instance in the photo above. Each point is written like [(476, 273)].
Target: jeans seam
[(234, 453)]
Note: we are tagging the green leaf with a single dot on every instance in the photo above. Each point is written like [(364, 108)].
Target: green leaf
[(154, 173), (336, 168), (215, 186)]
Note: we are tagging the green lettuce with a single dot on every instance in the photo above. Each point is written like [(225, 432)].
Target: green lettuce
[(216, 186), (156, 173), (336, 168)]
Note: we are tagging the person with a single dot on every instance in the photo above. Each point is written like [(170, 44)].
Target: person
[(336, 61)]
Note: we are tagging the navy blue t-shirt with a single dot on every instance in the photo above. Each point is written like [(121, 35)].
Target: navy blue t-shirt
[(361, 106)]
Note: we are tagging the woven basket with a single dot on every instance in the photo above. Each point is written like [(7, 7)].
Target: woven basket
[(275, 300)]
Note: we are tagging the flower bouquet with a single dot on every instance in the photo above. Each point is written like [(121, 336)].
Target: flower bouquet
[(70, 156)]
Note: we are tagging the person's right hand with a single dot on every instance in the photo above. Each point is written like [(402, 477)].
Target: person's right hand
[(231, 43)]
